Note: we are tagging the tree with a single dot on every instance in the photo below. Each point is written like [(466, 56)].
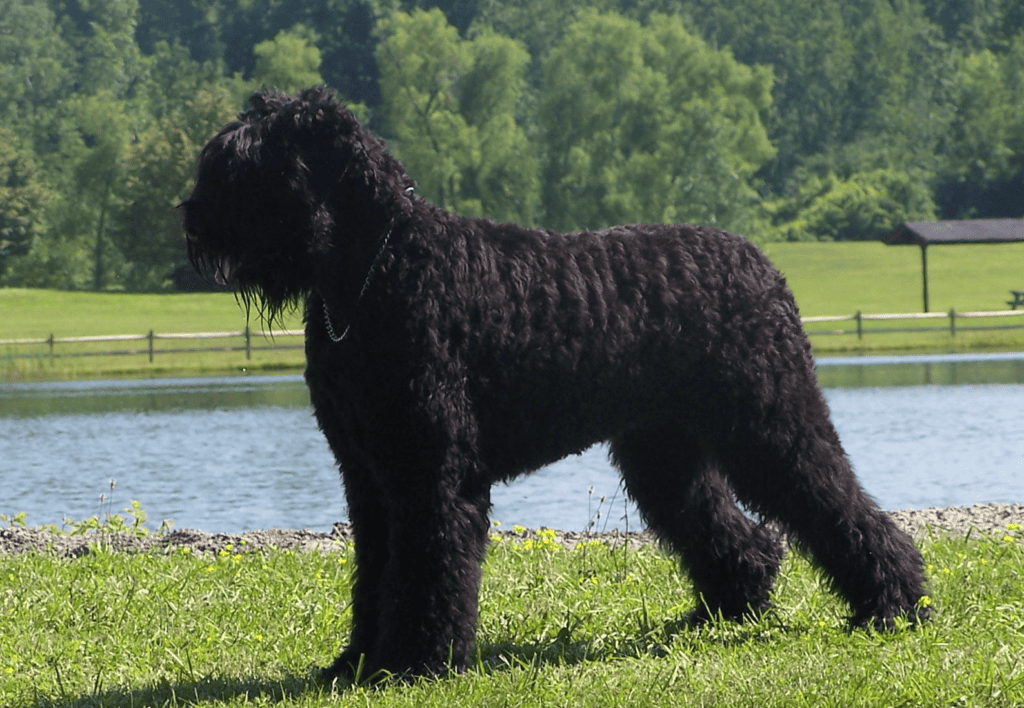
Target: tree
[(78, 137), (648, 123), (194, 24), (22, 201), (973, 24), (102, 32), (538, 24), (505, 181), (173, 79), (983, 175), (227, 32), (421, 59), (864, 207), (158, 176), (812, 55), (449, 105), (861, 84), (36, 70), (105, 126), (289, 61)]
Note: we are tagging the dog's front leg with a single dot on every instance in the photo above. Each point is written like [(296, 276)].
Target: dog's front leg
[(428, 601), (368, 520)]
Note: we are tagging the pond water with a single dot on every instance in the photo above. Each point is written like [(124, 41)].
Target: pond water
[(236, 454)]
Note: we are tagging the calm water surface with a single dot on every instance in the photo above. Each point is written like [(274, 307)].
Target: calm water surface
[(235, 454)]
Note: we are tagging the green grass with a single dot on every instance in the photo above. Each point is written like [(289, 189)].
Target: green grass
[(870, 277), (586, 627), (827, 278), (841, 278), (39, 313), (34, 314)]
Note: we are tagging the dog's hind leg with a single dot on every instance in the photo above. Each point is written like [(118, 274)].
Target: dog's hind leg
[(684, 499), (787, 463)]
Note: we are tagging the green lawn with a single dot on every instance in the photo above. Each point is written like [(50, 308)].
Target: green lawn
[(827, 279), (841, 278), (870, 277), (40, 313), (588, 627), (34, 314)]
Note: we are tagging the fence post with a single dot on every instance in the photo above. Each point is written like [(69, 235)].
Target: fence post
[(860, 326), (952, 322), (50, 342), (248, 343), (150, 338)]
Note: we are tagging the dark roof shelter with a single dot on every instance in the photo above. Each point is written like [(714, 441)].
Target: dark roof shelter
[(925, 233)]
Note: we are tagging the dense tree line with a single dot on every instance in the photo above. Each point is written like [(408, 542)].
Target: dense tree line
[(779, 119)]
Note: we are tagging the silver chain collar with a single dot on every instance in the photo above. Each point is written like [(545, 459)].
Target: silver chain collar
[(335, 337)]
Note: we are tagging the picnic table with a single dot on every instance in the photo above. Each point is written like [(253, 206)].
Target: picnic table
[(1018, 299)]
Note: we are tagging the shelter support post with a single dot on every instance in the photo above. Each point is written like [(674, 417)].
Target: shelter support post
[(923, 233), (924, 273)]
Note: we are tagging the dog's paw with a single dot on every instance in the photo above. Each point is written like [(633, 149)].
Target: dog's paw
[(734, 611), (892, 621), (349, 668)]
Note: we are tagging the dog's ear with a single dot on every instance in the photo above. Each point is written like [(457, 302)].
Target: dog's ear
[(313, 137), (313, 107), (265, 104), (316, 110), (313, 125), (300, 117)]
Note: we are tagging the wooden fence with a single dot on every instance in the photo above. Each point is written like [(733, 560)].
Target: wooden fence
[(955, 321), (151, 347), (15, 348)]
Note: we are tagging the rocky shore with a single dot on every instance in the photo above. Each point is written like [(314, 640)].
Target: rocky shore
[(979, 519)]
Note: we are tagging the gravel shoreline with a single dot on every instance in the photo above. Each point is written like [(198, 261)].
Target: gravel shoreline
[(980, 519)]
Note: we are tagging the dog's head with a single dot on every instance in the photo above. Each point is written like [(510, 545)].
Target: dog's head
[(293, 181)]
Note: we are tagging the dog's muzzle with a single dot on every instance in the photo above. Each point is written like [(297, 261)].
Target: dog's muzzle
[(220, 268)]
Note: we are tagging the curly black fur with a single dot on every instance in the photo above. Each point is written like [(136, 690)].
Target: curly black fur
[(446, 354)]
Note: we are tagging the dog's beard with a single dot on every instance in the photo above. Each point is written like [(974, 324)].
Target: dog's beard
[(271, 298), (269, 294), (270, 308)]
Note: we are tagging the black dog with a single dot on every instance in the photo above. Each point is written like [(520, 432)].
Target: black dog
[(445, 354)]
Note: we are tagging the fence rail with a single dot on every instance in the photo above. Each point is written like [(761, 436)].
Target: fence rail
[(952, 326), (151, 338), (151, 349)]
